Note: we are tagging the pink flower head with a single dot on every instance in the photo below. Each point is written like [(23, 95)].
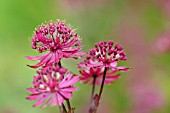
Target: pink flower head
[(105, 55), (59, 40), (89, 74), (51, 87)]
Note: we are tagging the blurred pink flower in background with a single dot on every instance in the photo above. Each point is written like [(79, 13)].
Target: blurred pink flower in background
[(9, 110), (162, 43), (145, 96), (164, 4)]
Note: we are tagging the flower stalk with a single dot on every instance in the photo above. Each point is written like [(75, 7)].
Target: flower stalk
[(102, 85), (68, 105), (93, 87), (64, 108)]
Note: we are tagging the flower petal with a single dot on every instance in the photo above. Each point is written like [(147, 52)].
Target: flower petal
[(43, 61), (48, 102), (69, 83), (66, 95), (60, 99), (33, 90), (35, 96), (69, 89), (121, 68), (54, 100), (41, 101), (70, 43), (34, 57)]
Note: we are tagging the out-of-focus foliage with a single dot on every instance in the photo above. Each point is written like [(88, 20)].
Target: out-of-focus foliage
[(136, 24)]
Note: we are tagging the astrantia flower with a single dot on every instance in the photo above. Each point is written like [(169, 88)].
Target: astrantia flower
[(51, 87), (91, 75), (58, 40), (105, 55)]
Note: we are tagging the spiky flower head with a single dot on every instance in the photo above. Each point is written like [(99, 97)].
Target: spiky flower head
[(58, 40), (52, 86), (105, 54)]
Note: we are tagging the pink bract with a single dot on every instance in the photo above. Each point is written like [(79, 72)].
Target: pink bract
[(58, 40), (50, 87), (105, 55), (88, 75)]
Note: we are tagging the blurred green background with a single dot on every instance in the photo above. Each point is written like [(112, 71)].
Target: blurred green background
[(135, 24)]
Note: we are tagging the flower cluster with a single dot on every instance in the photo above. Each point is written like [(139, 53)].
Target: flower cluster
[(105, 55), (51, 87), (100, 67), (53, 84), (59, 40)]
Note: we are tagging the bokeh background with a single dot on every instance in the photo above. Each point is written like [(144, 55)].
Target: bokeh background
[(141, 26)]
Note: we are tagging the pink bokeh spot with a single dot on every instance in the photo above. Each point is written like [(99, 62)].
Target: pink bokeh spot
[(162, 43)]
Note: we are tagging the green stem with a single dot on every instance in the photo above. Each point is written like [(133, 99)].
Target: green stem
[(68, 105), (102, 85), (93, 88), (101, 88), (64, 108)]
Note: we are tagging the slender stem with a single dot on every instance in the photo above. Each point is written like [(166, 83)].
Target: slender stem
[(68, 104), (101, 89), (64, 108), (102, 85), (93, 88), (92, 107)]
